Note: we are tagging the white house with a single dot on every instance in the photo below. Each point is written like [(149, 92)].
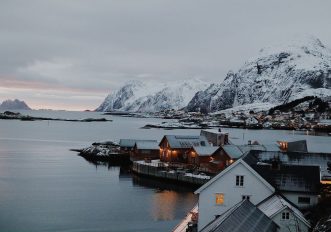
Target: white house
[(251, 121), (284, 214), (249, 178), (237, 182)]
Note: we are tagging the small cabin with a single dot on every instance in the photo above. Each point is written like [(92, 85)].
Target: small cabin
[(145, 149), (128, 144), (251, 121), (174, 148), (293, 146), (203, 157), (216, 137)]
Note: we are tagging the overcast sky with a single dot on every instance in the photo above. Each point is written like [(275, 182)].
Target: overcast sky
[(69, 54)]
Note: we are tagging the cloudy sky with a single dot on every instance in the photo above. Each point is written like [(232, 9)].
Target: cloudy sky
[(69, 54)]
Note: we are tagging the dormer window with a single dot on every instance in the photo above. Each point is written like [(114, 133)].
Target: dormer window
[(285, 215), (240, 181)]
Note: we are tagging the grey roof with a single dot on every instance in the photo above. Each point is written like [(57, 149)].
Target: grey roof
[(186, 141), (276, 204), (233, 151), (243, 217), (289, 178), (236, 151), (297, 158), (147, 145), (131, 142), (205, 150)]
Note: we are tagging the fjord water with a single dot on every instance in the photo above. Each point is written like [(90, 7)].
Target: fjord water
[(46, 187)]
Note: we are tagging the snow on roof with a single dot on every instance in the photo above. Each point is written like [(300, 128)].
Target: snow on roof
[(148, 144), (215, 131), (236, 151), (276, 204), (205, 150), (233, 151), (186, 141), (132, 142)]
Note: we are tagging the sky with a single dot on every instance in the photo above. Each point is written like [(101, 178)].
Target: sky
[(69, 54)]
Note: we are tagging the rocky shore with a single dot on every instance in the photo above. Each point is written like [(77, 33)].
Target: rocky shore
[(104, 151)]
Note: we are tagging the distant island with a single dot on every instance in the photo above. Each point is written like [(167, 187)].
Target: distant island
[(8, 115), (14, 105)]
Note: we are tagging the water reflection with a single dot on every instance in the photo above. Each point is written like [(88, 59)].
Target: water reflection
[(160, 185), (168, 196)]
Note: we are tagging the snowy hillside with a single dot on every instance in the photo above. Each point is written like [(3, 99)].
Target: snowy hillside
[(14, 105), (277, 76), (138, 96)]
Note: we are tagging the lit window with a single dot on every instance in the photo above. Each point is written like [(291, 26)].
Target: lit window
[(244, 197), (239, 180), (219, 198), (285, 215)]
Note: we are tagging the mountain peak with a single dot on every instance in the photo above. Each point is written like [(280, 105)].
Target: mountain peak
[(152, 96), (14, 105), (280, 74)]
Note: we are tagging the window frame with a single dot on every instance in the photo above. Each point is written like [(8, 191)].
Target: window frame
[(240, 181), (217, 199), (285, 215)]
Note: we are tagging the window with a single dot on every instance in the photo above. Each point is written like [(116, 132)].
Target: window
[(239, 180), (304, 200), (285, 216), (244, 197), (219, 198)]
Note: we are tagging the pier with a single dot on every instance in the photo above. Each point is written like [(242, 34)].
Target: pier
[(161, 170)]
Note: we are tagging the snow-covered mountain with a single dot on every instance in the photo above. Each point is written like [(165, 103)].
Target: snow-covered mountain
[(14, 105), (138, 96), (277, 76)]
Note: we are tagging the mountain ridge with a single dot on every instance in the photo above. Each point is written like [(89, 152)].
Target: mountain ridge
[(14, 105)]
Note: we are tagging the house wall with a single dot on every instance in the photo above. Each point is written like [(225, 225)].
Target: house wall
[(140, 154), (294, 197), (254, 187), (215, 138), (294, 224), (168, 154)]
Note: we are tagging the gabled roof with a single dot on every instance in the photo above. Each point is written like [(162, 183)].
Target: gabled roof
[(233, 151), (236, 151), (222, 173), (276, 204), (147, 145), (295, 158), (242, 217), (205, 151), (132, 142), (185, 141), (290, 178)]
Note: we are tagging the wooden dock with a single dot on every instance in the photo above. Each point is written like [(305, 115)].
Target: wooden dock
[(158, 170)]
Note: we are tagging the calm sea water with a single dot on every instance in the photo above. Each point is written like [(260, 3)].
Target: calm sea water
[(45, 187)]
